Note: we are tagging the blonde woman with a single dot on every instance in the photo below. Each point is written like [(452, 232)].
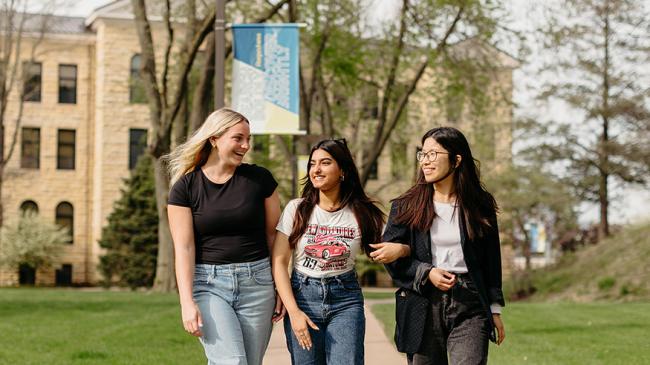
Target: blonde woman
[(222, 216)]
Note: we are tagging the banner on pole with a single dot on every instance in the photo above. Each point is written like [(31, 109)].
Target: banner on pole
[(265, 77)]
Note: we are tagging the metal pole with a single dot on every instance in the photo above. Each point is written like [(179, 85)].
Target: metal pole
[(220, 54)]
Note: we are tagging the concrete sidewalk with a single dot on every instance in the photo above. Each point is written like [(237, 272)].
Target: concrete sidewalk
[(378, 348)]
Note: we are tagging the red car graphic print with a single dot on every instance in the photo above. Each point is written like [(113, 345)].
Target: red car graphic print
[(326, 248)]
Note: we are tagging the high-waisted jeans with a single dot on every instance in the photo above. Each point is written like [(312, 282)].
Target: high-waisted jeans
[(456, 329), (236, 303), (335, 305)]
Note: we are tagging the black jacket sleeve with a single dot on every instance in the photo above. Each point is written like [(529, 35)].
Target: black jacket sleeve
[(410, 272), (493, 282)]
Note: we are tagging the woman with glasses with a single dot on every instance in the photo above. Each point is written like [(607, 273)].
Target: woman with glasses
[(449, 302), (323, 232)]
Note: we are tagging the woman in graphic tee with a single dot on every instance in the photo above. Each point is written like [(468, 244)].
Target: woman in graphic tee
[(222, 216), (324, 231), (450, 299)]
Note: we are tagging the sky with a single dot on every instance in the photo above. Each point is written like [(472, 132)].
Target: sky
[(627, 205)]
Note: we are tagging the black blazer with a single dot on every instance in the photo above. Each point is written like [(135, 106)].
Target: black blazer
[(411, 274)]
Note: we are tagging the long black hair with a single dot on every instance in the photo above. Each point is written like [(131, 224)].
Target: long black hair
[(369, 217), (415, 207)]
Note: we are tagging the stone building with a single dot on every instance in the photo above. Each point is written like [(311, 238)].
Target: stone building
[(85, 123)]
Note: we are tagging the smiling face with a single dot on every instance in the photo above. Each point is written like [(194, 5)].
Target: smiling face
[(324, 171), (233, 145), (434, 170)]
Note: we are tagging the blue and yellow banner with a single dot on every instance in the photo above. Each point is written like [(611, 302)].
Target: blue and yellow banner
[(265, 76)]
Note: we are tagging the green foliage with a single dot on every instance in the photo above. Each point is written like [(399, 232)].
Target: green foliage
[(31, 240), (364, 266), (527, 192), (131, 236), (606, 283), (613, 269)]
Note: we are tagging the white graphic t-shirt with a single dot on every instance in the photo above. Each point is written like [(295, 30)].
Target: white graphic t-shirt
[(330, 243)]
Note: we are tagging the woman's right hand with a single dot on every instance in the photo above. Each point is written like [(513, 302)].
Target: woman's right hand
[(192, 321), (442, 279), (300, 324)]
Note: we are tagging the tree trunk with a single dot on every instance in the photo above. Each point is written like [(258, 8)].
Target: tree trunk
[(202, 99), (603, 227), (180, 125), (2, 171), (1, 201), (603, 196), (165, 280)]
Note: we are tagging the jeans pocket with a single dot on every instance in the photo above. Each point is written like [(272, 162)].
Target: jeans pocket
[(201, 278), (351, 285), (263, 277)]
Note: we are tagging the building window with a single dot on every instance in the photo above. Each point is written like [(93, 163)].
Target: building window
[(29, 206), (67, 84), (26, 274), (137, 94), (66, 149), (32, 81), (65, 217), (30, 148), (137, 145), (63, 275)]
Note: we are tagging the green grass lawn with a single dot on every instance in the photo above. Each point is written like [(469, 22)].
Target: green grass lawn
[(58, 326), (566, 333)]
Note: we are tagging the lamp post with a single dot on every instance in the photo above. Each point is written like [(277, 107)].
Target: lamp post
[(219, 54)]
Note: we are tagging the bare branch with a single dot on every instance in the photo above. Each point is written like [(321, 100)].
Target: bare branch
[(204, 30), (392, 72), (381, 139), (168, 50), (148, 66), (327, 122)]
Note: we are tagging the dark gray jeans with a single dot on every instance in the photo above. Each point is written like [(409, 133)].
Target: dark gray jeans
[(456, 330)]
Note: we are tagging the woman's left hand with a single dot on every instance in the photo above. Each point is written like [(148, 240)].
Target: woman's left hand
[(387, 252), (280, 311), (501, 332)]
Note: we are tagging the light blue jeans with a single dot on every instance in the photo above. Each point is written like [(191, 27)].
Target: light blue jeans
[(236, 303)]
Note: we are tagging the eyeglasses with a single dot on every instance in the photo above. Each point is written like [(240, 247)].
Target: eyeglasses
[(431, 155)]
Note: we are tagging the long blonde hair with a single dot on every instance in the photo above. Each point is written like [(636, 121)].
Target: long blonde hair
[(196, 150)]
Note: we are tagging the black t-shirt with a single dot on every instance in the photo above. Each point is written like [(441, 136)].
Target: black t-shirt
[(229, 218)]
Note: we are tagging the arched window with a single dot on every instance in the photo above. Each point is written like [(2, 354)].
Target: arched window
[(137, 93), (65, 217), (29, 206)]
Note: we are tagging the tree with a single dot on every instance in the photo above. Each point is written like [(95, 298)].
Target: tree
[(31, 240), (15, 23), (352, 78), (526, 193), (131, 236), (166, 95), (599, 70)]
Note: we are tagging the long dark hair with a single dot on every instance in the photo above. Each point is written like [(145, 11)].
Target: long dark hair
[(477, 206), (369, 217)]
